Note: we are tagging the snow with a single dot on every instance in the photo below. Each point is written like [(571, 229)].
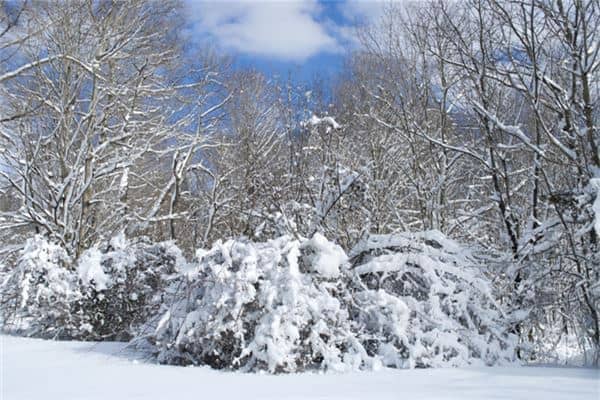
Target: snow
[(47, 370), (90, 269), (328, 257), (260, 306), (329, 121), (453, 312)]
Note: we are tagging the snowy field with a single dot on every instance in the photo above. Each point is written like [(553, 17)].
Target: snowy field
[(44, 370)]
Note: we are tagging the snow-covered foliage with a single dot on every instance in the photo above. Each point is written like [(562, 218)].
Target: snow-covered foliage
[(106, 294), (285, 305), (255, 306), (288, 305), (122, 286), (454, 319), (38, 294), (325, 257)]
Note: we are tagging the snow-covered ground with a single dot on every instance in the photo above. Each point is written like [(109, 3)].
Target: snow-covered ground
[(34, 369)]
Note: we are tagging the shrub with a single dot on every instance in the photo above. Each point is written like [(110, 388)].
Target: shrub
[(289, 305), (122, 286), (454, 319), (254, 306), (38, 293), (105, 295)]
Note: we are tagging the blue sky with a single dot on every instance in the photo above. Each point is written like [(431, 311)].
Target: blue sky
[(281, 37)]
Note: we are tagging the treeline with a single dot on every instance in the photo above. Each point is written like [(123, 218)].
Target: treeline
[(476, 118)]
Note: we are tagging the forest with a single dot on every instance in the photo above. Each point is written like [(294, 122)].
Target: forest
[(436, 203)]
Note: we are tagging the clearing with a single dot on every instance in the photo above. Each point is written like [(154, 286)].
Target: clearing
[(33, 369)]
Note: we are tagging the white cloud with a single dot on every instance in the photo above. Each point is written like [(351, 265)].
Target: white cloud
[(364, 10), (284, 29)]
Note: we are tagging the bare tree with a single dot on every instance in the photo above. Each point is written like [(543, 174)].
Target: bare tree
[(500, 98), (104, 112)]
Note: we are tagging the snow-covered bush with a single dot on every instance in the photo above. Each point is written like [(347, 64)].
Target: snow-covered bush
[(454, 318), (285, 305), (276, 306), (288, 305), (39, 292), (122, 285), (105, 295)]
